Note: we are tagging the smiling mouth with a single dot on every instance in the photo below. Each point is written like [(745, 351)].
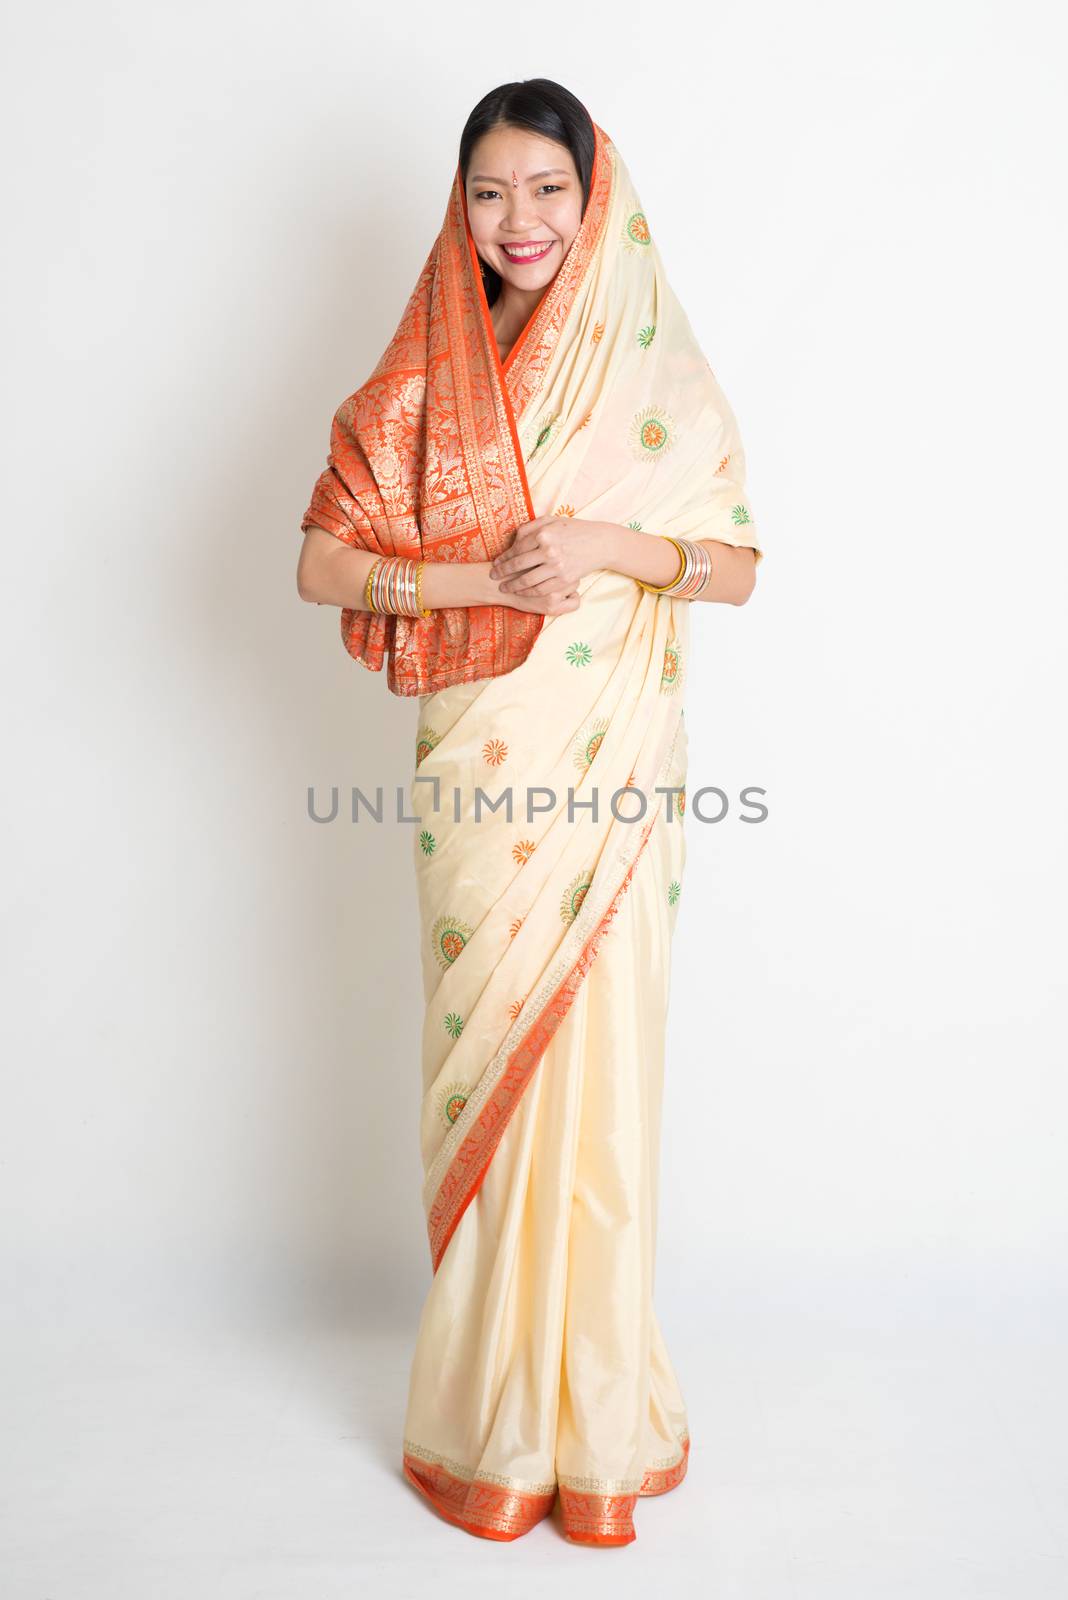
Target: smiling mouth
[(527, 252)]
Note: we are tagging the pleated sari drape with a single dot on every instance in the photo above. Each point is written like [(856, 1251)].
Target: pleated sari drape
[(540, 1371)]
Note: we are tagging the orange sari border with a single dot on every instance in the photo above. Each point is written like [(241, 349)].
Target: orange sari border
[(481, 1508), (658, 1480), (496, 1511), (598, 1518), (469, 1165), (523, 370)]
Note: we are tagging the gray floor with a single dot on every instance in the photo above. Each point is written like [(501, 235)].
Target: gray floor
[(911, 1446)]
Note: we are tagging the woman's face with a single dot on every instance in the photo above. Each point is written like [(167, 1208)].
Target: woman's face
[(523, 190)]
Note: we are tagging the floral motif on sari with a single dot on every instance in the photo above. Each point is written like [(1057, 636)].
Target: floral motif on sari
[(449, 937)]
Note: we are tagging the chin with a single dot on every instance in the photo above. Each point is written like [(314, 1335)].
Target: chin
[(528, 281)]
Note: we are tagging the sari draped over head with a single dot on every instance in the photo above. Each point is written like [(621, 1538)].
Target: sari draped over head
[(549, 789)]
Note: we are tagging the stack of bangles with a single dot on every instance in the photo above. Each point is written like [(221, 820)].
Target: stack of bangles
[(394, 585), (694, 570)]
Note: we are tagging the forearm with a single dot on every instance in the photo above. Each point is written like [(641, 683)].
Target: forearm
[(338, 577), (650, 558)]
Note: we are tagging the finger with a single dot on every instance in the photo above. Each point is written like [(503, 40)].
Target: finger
[(520, 577), (548, 586), (502, 566), (524, 527), (512, 559)]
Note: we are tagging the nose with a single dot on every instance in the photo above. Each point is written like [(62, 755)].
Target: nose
[(520, 217)]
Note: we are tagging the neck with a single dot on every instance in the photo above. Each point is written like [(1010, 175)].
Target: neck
[(513, 309)]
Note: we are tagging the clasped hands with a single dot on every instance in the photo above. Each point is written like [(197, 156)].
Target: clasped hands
[(541, 568)]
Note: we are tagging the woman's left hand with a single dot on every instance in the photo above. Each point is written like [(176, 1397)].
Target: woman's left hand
[(549, 551)]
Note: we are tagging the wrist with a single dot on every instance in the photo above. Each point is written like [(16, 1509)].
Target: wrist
[(648, 558), (459, 583), (488, 591), (629, 551), (612, 545)]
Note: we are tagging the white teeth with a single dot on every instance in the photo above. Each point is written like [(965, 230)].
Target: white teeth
[(525, 250)]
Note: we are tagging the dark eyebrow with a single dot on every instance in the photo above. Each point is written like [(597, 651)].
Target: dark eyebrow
[(485, 177)]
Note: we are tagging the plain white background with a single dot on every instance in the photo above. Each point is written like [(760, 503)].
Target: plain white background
[(214, 1248)]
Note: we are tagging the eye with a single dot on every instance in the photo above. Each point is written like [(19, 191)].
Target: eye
[(482, 194)]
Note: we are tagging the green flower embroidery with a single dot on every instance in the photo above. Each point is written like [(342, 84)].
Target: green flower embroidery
[(579, 654), (548, 426), (645, 338), (427, 842), (449, 936), (575, 893), (451, 1101), (635, 525), (674, 890), (740, 514), (454, 1024)]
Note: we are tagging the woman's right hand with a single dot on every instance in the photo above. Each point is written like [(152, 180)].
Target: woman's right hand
[(556, 598), (550, 605)]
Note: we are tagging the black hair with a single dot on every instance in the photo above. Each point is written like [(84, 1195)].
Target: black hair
[(545, 108)]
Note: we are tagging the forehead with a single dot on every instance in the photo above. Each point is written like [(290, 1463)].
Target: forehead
[(502, 149)]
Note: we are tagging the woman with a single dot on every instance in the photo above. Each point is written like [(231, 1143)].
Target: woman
[(498, 514)]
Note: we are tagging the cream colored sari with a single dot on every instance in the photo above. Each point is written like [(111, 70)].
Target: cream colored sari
[(540, 1370)]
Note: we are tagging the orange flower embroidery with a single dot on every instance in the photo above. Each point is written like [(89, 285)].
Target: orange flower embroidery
[(637, 228), (494, 751), (523, 851), (722, 464), (564, 511), (516, 1007), (597, 334), (514, 929), (585, 419)]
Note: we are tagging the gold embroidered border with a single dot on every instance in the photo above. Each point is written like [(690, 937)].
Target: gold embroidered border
[(660, 1480), (600, 1485), (471, 1475), (649, 1482), (529, 360), (661, 1474), (598, 1518), (482, 1508)]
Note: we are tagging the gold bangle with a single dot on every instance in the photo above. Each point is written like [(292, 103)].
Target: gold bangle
[(654, 588), (368, 603), (423, 610)]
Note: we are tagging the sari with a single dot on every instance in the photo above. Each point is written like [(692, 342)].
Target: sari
[(548, 792)]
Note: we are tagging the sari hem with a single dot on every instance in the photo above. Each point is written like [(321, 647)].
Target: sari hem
[(484, 1509), (660, 1480), (598, 1519), (497, 1509)]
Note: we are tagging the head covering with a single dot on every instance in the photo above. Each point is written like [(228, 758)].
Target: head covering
[(606, 408)]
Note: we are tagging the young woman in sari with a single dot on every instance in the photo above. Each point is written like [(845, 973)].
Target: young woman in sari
[(519, 508)]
